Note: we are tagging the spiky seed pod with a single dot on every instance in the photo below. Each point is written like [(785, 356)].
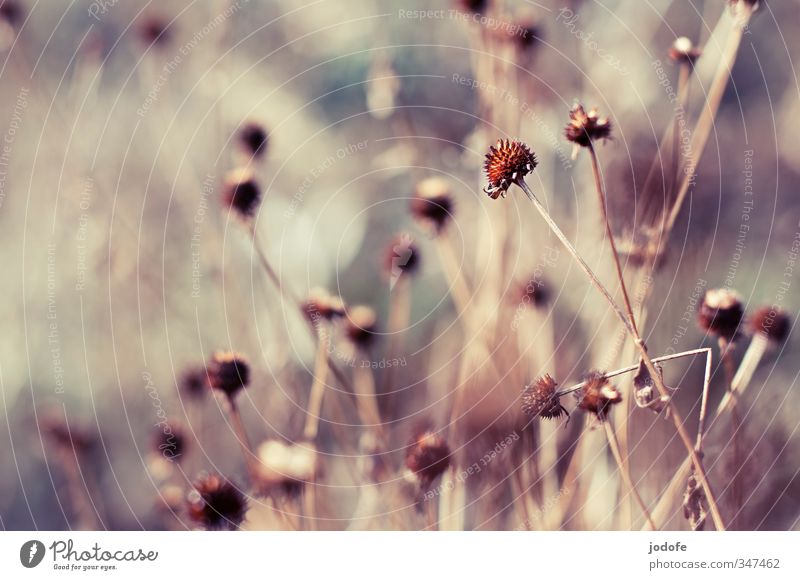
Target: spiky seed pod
[(540, 399), (721, 312), (682, 50), (428, 457), (361, 326), (321, 304), (286, 467), (154, 30), (597, 395), (773, 323), (507, 162), (432, 204), (241, 192), (402, 257), (194, 382), (216, 504), (170, 443), (228, 372), (583, 127), (253, 138)]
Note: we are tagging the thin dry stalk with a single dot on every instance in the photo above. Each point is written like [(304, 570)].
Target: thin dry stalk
[(613, 444), (243, 440), (318, 385)]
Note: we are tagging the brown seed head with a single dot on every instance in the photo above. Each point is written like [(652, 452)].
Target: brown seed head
[(427, 456), (402, 257), (473, 6), (10, 12), (170, 442), (540, 399), (583, 127), (216, 504), (507, 162), (536, 291), (598, 395), (321, 304), (361, 325), (194, 382), (154, 31), (773, 323), (432, 204), (682, 50), (241, 192), (229, 372), (721, 312), (253, 139)]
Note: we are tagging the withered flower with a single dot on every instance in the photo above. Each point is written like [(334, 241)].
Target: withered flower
[(682, 50), (228, 372), (194, 382), (583, 127), (253, 138), (10, 12), (536, 291), (432, 204), (773, 323), (402, 258), (361, 325), (321, 304), (721, 312), (541, 400), (215, 503), (154, 30), (694, 504), (428, 457), (170, 442), (598, 395), (241, 192), (473, 6), (506, 163)]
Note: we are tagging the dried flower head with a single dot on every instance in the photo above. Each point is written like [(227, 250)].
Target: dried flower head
[(473, 6), (228, 372), (361, 325), (10, 12), (154, 31), (541, 400), (682, 50), (721, 312), (583, 127), (772, 322), (286, 467), (506, 163), (169, 441), (253, 139), (241, 192), (194, 382), (536, 291), (215, 503), (597, 395), (694, 504), (321, 304), (427, 456), (402, 258), (432, 203)]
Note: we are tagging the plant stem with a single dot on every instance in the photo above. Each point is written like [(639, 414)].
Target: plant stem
[(241, 437), (676, 417), (614, 446), (318, 385)]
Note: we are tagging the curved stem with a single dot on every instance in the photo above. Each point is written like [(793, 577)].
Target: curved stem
[(626, 476)]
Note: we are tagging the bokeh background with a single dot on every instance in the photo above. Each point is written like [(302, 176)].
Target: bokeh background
[(122, 269)]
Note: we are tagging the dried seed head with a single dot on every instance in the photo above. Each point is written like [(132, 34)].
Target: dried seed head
[(402, 258), (682, 50), (228, 372), (194, 382), (507, 162), (721, 312), (583, 127), (432, 204), (253, 139), (597, 395), (321, 304), (473, 6), (773, 323), (215, 503), (10, 12), (241, 192), (170, 442), (536, 291), (154, 31), (361, 325), (540, 399), (286, 467), (694, 504), (427, 456)]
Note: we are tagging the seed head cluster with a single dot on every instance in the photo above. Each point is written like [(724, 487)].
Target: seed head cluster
[(540, 399), (507, 162)]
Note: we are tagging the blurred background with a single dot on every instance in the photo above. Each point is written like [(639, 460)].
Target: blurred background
[(123, 269)]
